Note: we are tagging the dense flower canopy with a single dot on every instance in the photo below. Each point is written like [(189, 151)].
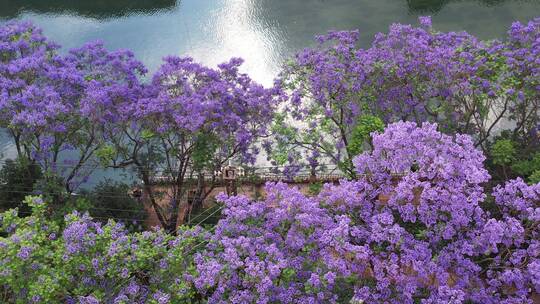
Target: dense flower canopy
[(411, 228), (92, 108), (409, 120), (39, 89), (411, 73), (53, 105), (270, 251), (112, 81), (415, 227), (188, 98)]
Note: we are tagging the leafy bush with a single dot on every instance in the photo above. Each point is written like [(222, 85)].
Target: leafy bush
[(114, 200), (535, 177), (360, 139), (510, 159), (87, 262), (17, 178), (361, 134), (503, 152)]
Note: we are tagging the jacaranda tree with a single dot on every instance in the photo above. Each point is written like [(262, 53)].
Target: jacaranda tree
[(54, 106), (188, 123), (410, 73), (40, 92)]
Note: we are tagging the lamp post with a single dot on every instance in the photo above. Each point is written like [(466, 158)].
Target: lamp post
[(229, 177)]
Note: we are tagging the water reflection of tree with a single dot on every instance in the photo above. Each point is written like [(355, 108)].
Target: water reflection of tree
[(99, 9), (434, 6)]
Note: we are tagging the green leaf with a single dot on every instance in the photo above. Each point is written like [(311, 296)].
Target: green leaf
[(105, 154), (288, 274), (361, 133), (503, 152), (534, 178), (147, 134)]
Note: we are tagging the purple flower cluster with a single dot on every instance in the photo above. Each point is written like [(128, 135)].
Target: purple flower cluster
[(414, 74), (53, 104), (270, 251), (508, 245), (189, 99), (415, 227), (36, 85), (426, 176)]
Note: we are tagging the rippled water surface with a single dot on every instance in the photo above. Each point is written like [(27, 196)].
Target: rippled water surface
[(263, 32)]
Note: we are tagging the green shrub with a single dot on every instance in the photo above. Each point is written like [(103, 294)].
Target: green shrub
[(17, 178), (114, 200), (503, 152), (82, 261)]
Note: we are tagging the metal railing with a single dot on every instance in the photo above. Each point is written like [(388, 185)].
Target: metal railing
[(266, 174)]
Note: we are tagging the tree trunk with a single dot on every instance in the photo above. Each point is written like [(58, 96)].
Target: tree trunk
[(171, 228), (197, 201), (148, 189)]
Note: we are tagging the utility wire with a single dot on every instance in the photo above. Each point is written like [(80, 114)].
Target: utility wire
[(125, 210), (73, 194), (122, 219), (200, 214), (163, 167), (136, 220)]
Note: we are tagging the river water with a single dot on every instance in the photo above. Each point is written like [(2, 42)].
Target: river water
[(263, 32)]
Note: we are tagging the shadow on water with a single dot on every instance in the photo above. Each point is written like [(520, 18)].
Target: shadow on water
[(434, 6), (98, 9)]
